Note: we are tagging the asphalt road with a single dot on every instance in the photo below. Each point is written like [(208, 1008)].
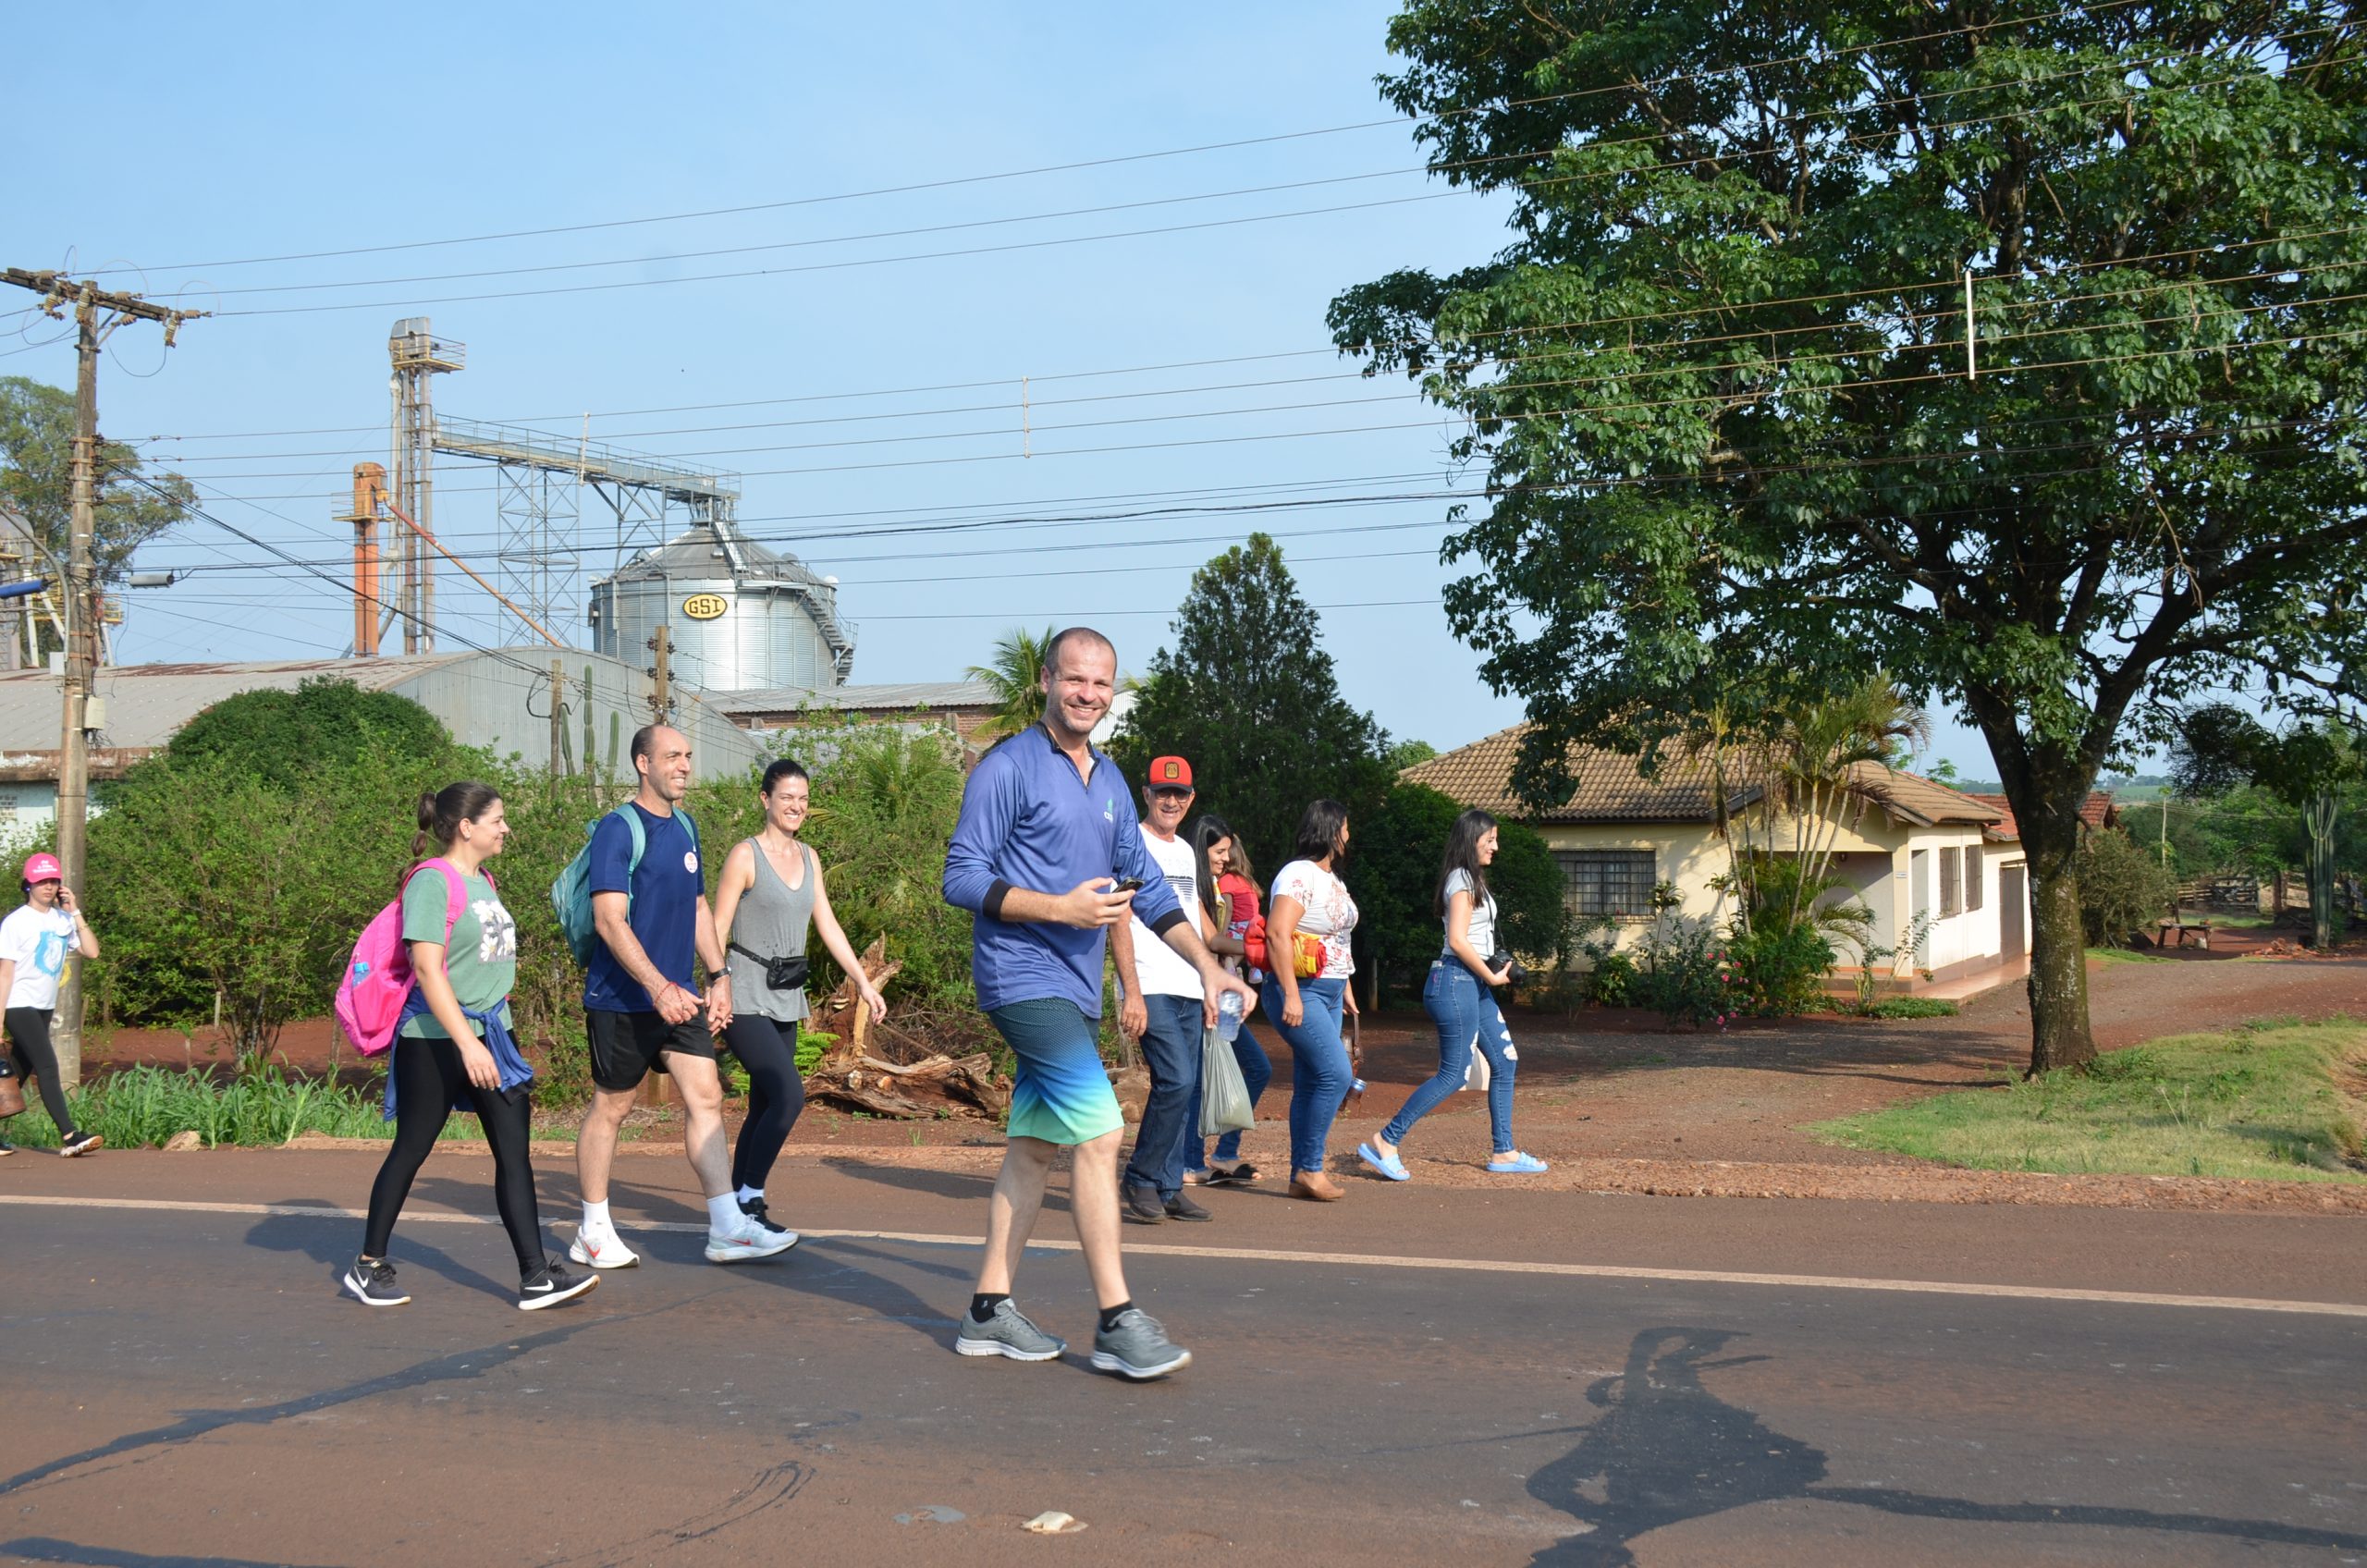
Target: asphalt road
[(184, 1385)]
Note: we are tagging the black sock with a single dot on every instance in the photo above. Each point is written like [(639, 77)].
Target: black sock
[(1109, 1314), (982, 1304)]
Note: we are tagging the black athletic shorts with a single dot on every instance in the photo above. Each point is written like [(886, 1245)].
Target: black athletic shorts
[(626, 1046)]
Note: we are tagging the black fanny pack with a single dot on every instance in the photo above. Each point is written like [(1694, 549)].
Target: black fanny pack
[(780, 973)]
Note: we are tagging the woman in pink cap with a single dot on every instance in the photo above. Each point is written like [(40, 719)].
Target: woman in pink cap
[(34, 942)]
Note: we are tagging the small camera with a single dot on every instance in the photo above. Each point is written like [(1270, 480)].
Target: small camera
[(1515, 972)]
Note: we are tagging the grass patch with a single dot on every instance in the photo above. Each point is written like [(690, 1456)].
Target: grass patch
[(144, 1106), (1912, 1007), (2280, 1101), (2126, 955)]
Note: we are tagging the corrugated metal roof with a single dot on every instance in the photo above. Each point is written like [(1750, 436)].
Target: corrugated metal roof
[(891, 698), (146, 703), (1612, 787)]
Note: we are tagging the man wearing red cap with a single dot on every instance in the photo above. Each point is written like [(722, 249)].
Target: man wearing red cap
[(1162, 1009), (34, 942)]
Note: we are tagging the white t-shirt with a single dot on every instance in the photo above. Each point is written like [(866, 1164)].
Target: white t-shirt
[(38, 941), (1159, 970), (1330, 913), (1483, 915)]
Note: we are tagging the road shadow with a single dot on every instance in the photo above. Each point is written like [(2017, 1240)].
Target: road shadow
[(969, 1187), (1667, 1450), (334, 1244)]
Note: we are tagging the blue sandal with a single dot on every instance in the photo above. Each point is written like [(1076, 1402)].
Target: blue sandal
[(1391, 1166), (1515, 1164)]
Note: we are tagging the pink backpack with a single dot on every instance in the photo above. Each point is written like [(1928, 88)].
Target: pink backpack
[(378, 977)]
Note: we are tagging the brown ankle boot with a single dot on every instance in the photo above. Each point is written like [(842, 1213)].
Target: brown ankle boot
[(1315, 1187)]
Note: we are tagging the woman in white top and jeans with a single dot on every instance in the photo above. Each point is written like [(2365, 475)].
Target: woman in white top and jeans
[(1460, 999), (1310, 900)]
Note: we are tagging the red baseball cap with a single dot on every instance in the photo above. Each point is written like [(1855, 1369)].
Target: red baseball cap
[(1169, 773)]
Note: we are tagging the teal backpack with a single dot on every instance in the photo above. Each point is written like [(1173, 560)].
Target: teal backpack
[(571, 894)]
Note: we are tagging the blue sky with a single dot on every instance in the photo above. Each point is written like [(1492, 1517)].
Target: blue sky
[(281, 131)]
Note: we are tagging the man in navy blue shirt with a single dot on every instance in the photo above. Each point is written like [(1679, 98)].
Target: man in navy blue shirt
[(640, 1010), (1048, 857)]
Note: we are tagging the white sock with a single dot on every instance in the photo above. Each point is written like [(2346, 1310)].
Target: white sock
[(751, 1195), (595, 1216), (723, 1215)]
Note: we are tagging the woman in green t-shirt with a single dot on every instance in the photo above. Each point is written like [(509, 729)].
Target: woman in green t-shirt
[(453, 1050)]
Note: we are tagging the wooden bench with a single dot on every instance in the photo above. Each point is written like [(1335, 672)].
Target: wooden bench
[(2196, 932)]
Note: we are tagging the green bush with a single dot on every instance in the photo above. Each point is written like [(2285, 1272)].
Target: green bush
[(1681, 972), (1609, 980), (1777, 969), (2123, 888)]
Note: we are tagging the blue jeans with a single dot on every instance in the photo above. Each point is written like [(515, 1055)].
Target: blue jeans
[(1319, 1073), (1257, 1071), (1171, 1050), (1466, 1012)]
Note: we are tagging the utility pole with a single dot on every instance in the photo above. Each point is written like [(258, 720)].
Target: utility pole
[(97, 314), (558, 713), (661, 701)]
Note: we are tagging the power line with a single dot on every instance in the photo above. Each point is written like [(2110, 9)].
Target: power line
[(1526, 331), (1669, 79)]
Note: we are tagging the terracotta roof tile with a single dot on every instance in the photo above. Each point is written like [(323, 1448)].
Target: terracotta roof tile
[(1612, 787)]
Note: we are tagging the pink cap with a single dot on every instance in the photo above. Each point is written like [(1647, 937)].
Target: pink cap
[(43, 868)]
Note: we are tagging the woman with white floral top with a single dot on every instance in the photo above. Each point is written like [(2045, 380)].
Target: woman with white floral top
[(1311, 906)]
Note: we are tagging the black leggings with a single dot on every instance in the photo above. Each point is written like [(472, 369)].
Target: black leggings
[(768, 1051), (29, 1033), (428, 1077)]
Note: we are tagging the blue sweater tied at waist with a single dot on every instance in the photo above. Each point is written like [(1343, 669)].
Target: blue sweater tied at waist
[(515, 1074)]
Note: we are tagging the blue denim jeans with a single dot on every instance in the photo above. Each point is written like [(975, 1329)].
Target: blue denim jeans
[(1319, 1073), (1466, 1013), (1171, 1050), (1257, 1071)]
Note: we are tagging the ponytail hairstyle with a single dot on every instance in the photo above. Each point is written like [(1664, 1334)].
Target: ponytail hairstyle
[(1463, 854), (1206, 832), (442, 812)]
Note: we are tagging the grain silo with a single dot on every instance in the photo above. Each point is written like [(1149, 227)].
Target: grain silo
[(741, 616)]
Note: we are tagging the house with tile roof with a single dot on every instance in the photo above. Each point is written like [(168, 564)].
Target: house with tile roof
[(1905, 845)]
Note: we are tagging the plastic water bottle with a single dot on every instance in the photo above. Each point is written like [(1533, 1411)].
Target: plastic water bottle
[(1228, 1016)]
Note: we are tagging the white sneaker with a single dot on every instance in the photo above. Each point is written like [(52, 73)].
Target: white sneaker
[(747, 1240), (601, 1249)]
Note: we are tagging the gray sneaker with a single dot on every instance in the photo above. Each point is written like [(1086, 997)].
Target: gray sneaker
[(1138, 1348), (1008, 1333)]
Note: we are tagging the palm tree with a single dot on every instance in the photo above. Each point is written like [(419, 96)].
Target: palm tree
[(1016, 676)]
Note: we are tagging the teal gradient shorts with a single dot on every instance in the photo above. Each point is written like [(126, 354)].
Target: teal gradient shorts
[(1060, 1094)]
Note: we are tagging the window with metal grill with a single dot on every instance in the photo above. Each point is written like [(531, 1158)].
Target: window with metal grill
[(1951, 887), (1972, 875), (1609, 882)]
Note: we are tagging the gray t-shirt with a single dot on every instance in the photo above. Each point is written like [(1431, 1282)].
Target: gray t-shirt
[(773, 920), (1483, 916)]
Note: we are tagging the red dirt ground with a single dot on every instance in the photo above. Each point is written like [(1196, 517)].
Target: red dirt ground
[(1614, 1084)]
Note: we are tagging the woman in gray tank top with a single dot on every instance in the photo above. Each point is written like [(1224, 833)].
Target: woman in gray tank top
[(769, 895)]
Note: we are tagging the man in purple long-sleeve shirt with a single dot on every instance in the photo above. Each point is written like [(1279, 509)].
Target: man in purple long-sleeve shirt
[(1048, 857)]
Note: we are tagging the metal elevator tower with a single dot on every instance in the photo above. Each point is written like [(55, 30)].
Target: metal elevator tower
[(417, 355)]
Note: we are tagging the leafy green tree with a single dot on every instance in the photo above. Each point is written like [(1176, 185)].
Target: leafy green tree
[(1720, 383), (1015, 673), (1532, 896), (1392, 873), (37, 479), (1403, 754), (1250, 697), (278, 736), (2311, 766)]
